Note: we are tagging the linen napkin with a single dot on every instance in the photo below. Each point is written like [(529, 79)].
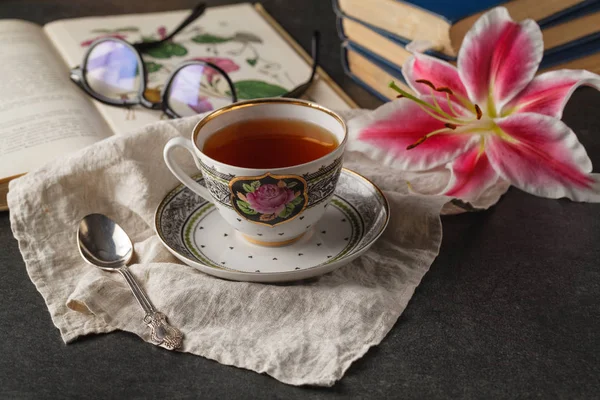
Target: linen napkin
[(299, 333)]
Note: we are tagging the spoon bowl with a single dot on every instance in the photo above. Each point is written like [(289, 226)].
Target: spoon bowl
[(103, 243)]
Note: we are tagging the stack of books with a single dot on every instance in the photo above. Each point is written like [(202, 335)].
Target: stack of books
[(374, 33)]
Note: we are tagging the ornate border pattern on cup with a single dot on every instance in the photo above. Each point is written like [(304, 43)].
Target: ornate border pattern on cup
[(320, 184)]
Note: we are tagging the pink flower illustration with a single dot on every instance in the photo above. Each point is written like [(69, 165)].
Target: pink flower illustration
[(162, 32), (270, 198), (202, 105), (489, 120), (226, 64), (86, 43)]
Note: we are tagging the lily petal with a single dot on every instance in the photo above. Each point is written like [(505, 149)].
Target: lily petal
[(386, 133), (498, 58), (472, 175), (438, 72), (549, 92), (540, 155)]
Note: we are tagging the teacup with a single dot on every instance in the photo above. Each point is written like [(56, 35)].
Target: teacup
[(313, 182)]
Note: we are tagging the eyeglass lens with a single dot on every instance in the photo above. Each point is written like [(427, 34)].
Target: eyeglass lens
[(197, 88), (113, 71)]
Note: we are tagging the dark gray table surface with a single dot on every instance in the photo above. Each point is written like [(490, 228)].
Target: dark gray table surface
[(509, 309)]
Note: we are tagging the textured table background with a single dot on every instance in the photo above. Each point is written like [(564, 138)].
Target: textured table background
[(511, 307)]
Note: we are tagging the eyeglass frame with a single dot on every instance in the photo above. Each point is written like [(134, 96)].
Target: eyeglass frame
[(78, 74)]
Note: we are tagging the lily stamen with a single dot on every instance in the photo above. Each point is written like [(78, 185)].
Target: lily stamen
[(438, 117), (418, 142), (444, 116), (443, 89), (448, 92), (416, 99), (435, 110), (425, 137), (450, 106), (478, 111)]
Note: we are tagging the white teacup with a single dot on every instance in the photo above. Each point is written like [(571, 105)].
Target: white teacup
[(303, 190)]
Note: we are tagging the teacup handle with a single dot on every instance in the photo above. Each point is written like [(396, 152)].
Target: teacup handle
[(176, 169)]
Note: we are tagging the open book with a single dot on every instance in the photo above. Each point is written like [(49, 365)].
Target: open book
[(44, 115)]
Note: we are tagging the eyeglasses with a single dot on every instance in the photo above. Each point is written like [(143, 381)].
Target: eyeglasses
[(114, 73)]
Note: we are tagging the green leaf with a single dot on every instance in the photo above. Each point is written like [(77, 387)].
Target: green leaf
[(251, 61), (158, 52), (127, 29), (209, 38), (287, 211), (246, 37), (167, 50), (245, 207), (248, 188), (298, 200), (255, 184), (252, 89), (291, 184), (124, 29), (151, 66), (177, 49)]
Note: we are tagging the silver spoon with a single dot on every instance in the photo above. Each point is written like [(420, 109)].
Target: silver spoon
[(103, 243)]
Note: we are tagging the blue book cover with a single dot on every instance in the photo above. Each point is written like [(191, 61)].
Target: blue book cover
[(569, 51), (394, 71), (450, 11), (458, 9), (586, 47), (386, 65), (579, 10), (396, 39), (455, 10)]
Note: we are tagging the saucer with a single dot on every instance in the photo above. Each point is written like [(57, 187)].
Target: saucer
[(193, 230)]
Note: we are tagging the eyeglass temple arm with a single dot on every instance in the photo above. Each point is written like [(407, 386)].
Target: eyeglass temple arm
[(315, 54), (195, 14), (300, 90)]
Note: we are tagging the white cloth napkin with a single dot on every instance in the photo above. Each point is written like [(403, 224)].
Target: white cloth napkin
[(300, 333)]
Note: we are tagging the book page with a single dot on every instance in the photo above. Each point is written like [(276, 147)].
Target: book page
[(236, 38), (43, 114)]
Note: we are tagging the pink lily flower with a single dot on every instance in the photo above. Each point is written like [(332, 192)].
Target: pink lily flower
[(489, 120)]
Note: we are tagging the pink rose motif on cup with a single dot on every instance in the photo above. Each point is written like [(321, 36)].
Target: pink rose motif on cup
[(269, 199)]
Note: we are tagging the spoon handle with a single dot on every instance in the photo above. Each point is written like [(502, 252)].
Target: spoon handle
[(138, 293), (162, 333)]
